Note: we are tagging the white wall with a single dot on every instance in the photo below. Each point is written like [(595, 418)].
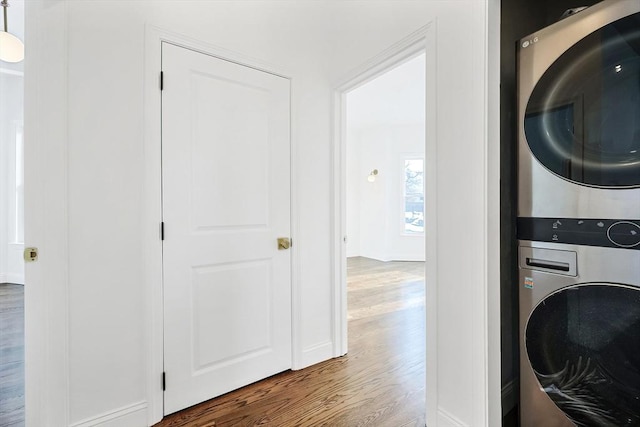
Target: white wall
[(86, 217), (462, 261), (11, 117), (375, 215)]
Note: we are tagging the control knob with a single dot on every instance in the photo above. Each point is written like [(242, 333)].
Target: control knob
[(625, 234)]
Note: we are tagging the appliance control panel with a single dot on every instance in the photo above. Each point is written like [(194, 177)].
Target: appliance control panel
[(614, 233)]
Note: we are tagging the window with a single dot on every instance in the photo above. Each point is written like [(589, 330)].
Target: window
[(413, 199), (18, 200)]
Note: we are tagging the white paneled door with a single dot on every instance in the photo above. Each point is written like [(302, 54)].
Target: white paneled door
[(226, 201)]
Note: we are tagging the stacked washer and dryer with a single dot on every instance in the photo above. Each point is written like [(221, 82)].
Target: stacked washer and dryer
[(579, 219)]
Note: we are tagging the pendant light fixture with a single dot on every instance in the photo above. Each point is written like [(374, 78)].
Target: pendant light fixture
[(11, 47)]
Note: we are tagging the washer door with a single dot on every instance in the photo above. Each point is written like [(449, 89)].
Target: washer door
[(582, 121), (583, 343)]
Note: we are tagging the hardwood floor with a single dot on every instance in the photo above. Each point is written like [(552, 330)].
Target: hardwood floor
[(11, 355), (380, 382)]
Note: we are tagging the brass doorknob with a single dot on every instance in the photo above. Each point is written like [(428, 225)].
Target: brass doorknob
[(284, 243)]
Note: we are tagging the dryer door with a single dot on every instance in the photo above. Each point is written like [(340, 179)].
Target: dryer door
[(583, 343), (582, 121)]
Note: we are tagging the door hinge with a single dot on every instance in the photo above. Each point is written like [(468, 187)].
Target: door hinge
[(161, 80), (164, 381), (162, 230)]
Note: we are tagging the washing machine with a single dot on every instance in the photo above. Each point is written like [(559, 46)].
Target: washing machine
[(579, 115), (579, 219), (579, 282)]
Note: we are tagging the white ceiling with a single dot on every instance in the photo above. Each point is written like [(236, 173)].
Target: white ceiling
[(394, 98)]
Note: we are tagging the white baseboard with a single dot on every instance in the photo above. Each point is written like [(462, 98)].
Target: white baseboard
[(315, 354), (395, 257), (509, 396), (17, 279), (377, 257), (445, 419), (134, 415), (407, 257)]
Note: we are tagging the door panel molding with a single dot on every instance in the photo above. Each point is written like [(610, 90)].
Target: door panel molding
[(152, 197), (227, 292)]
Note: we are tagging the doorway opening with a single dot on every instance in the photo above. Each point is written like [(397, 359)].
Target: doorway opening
[(408, 226), (385, 244), (12, 313)]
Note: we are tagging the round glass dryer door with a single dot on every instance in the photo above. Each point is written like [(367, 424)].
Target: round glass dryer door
[(582, 121), (583, 343)]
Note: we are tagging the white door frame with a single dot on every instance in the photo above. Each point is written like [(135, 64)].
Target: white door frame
[(420, 41), (484, 320), (152, 214), (46, 217)]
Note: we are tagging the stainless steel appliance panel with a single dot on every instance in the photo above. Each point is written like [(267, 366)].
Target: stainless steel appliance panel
[(610, 270), (543, 191)]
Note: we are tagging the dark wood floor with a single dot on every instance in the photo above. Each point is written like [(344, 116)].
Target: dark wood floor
[(11, 355), (380, 382)]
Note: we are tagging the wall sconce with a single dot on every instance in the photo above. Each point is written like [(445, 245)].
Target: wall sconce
[(372, 175), (11, 47)]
